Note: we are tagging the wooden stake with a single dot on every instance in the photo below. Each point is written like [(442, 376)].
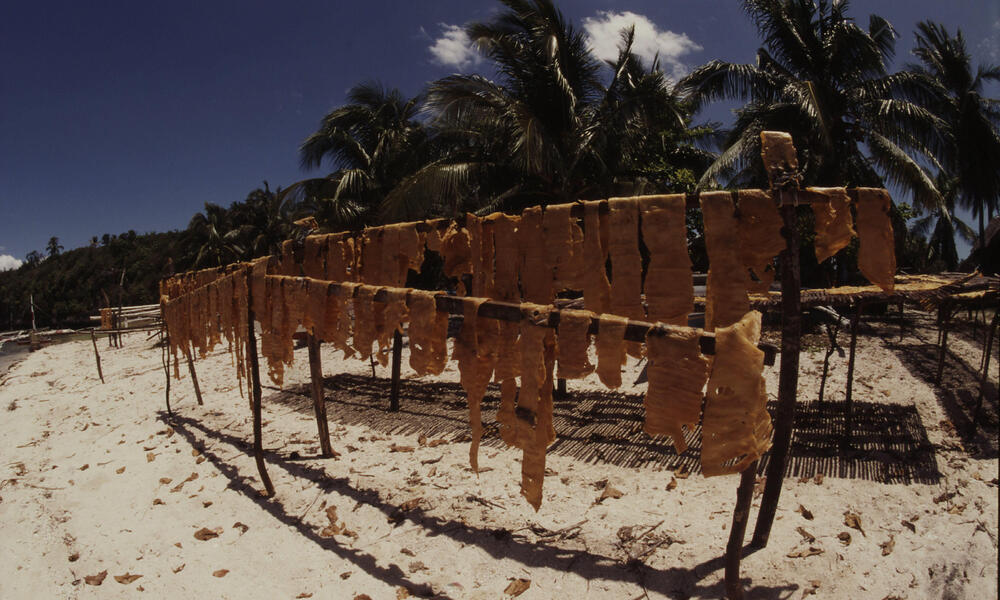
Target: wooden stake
[(734, 549), (258, 448), (987, 349), (788, 378), (397, 360), (845, 441), (93, 339), (165, 359), (944, 318), (319, 400), (194, 377)]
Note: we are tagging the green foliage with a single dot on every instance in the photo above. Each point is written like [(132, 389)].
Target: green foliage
[(72, 285)]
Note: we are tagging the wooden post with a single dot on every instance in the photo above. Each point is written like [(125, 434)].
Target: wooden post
[(165, 359), (194, 377), (944, 317), (258, 448), (397, 360), (319, 401), (788, 378), (845, 442), (987, 349), (734, 549), (93, 339), (831, 333)]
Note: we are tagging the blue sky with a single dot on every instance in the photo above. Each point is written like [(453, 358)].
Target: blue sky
[(131, 115)]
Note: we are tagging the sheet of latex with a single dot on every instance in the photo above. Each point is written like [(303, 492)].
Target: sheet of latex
[(726, 289), (669, 285), (877, 254), (736, 429), (677, 373)]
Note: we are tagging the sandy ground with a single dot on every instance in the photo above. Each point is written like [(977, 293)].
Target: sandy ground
[(95, 477)]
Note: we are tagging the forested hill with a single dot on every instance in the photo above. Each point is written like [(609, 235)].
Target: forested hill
[(70, 286)]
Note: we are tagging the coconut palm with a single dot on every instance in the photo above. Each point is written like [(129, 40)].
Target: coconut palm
[(548, 130), (941, 225), (263, 221), (823, 78), (210, 236), (374, 143), (972, 154)]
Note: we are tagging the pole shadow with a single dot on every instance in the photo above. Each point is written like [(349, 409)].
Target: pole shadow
[(674, 582)]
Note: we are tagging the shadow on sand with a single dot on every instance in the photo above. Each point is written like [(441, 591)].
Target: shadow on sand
[(674, 582), (889, 444)]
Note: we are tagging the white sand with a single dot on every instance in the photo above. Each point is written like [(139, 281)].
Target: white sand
[(468, 536)]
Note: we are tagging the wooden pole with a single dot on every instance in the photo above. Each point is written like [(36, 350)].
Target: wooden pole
[(987, 349), (831, 333), (944, 317), (165, 359), (258, 448), (194, 377), (397, 360), (788, 378), (93, 339), (319, 400), (845, 442), (734, 549)]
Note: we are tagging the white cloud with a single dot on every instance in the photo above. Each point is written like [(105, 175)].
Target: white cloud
[(453, 48), (604, 36), (8, 262)]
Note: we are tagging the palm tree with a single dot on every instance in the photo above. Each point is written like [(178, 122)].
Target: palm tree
[(824, 79), (972, 154), (549, 130), (263, 221), (943, 225), (374, 142), (211, 238)]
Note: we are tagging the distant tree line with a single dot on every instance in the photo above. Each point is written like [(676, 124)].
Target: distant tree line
[(557, 125)]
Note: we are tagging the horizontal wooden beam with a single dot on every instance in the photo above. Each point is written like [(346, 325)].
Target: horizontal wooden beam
[(635, 331)]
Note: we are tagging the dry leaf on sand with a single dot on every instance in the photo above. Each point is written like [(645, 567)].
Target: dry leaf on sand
[(810, 551), (204, 534), (853, 520), (398, 448), (805, 512), (127, 578), (887, 547), (96, 579), (808, 537), (179, 569), (220, 573), (844, 537), (610, 492), (517, 587)]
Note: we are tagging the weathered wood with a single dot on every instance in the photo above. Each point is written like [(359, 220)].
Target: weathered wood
[(734, 548), (635, 331), (97, 356), (832, 329), (194, 377), (788, 377), (848, 433), (165, 359), (397, 361), (985, 375), (258, 447), (319, 399), (944, 323)]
